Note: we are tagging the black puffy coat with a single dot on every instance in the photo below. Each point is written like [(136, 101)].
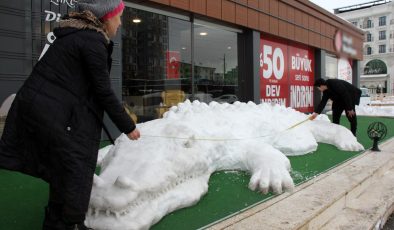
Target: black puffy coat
[(340, 92), (60, 106)]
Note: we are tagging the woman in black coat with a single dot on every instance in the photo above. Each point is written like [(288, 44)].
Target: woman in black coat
[(54, 126)]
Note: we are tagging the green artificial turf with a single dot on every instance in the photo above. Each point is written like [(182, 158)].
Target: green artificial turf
[(228, 192), (22, 198)]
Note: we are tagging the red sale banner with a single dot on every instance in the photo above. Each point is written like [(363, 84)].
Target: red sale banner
[(273, 72), (286, 73), (301, 77), (173, 64)]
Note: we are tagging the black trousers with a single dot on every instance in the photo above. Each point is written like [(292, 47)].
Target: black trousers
[(337, 110), (72, 169)]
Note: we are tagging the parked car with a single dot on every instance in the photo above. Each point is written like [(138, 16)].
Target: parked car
[(226, 98), (364, 92)]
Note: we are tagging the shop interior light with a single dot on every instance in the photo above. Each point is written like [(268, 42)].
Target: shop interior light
[(183, 48), (229, 47), (203, 33), (136, 20)]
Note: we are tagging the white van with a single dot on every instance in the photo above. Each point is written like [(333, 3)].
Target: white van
[(365, 97)]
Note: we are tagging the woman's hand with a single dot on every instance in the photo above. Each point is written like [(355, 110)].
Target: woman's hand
[(134, 135), (313, 116)]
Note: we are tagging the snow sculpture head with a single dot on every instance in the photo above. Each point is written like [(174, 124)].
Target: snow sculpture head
[(169, 167)]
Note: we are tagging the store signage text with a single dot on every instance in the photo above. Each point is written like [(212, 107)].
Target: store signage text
[(374, 71), (286, 74), (301, 77), (70, 3), (300, 63), (272, 90), (52, 16), (343, 44), (301, 96), (50, 38), (273, 64)]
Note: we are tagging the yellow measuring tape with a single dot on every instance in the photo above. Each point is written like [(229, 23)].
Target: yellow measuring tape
[(299, 123), (223, 139), (199, 139)]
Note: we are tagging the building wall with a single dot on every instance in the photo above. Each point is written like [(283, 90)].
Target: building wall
[(388, 59), (297, 20)]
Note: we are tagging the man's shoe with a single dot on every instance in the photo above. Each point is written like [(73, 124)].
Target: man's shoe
[(78, 227), (52, 220)]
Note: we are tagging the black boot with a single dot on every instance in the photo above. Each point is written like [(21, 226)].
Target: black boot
[(52, 219), (78, 227)]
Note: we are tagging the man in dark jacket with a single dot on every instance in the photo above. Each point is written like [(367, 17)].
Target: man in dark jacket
[(54, 126), (345, 97)]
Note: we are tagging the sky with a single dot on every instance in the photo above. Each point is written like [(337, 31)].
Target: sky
[(169, 166), (330, 5)]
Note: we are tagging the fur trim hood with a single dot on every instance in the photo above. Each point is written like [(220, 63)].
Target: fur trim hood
[(83, 20)]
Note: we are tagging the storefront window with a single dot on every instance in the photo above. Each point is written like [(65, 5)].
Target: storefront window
[(157, 63), (331, 67), (215, 64), (156, 55)]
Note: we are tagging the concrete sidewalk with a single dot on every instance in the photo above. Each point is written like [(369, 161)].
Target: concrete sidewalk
[(358, 194)]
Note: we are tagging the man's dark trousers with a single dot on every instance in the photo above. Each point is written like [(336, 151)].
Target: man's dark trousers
[(337, 109)]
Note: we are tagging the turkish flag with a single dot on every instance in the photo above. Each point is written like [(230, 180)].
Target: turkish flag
[(173, 65)]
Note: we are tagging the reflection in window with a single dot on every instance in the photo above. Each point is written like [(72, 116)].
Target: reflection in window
[(157, 63), (155, 52), (215, 64)]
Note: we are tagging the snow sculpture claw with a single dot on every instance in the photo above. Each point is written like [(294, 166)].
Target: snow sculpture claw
[(169, 167), (270, 170)]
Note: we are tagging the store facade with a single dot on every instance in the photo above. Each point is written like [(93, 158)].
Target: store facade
[(211, 50)]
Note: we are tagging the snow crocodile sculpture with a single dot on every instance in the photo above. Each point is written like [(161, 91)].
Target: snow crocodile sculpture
[(169, 167)]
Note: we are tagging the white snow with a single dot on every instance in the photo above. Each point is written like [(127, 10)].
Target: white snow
[(169, 166), (375, 110), (382, 111), (379, 106)]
